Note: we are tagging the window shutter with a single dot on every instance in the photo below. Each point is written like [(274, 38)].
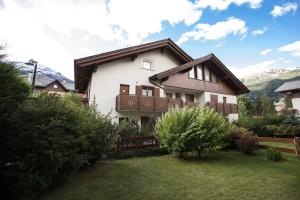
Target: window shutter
[(138, 90), (156, 92)]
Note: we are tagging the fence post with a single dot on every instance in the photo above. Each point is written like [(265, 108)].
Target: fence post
[(297, 143)]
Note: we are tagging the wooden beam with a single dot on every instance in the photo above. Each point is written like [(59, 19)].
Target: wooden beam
[(134, 57)]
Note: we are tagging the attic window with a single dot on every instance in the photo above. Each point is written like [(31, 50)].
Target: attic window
[(147, 64), (55, 86)]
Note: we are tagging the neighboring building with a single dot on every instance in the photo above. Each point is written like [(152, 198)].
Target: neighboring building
[(45, 84), (145, 80), (292, 89)]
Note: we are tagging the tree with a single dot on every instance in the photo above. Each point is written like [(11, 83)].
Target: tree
[(267, 105), (287, 102), (245, 106), (2, 48)]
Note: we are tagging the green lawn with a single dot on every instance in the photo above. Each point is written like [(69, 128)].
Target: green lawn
[(278, 144), (230, 175)]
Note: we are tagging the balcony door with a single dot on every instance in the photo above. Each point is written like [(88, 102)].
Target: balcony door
[(147, 91), (124, 89)]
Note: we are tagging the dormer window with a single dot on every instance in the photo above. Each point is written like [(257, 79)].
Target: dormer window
[(147, 64)]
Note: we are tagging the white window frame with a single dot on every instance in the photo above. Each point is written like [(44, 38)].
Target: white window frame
[(149, 61)]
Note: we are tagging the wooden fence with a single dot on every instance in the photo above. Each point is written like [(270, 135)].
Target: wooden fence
[(135, 142), (295, 141)]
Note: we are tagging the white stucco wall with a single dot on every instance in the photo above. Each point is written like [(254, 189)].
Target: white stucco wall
[(229, 99), (296, 105), (106, 80)]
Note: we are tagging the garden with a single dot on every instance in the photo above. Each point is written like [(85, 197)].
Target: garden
[(58, 148)]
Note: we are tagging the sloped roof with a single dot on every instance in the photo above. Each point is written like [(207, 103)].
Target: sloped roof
[(289, 86), (83, 67), (42, 80), (209, 57)]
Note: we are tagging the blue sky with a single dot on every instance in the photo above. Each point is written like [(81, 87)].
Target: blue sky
[(247, 35)]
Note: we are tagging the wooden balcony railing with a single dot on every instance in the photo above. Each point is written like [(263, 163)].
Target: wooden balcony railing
[(161, 104), (225, 108)]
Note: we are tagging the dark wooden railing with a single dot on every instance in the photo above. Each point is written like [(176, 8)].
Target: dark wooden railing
[(225, 108), (161, 104)]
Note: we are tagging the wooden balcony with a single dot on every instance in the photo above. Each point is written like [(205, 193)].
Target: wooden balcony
[(161, 104), (224, 108), (147, 104)]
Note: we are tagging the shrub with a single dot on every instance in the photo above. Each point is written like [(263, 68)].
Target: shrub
[(274, 154), (50, 137), (283, 130), (128, 128), (198, 129), (248, 143)]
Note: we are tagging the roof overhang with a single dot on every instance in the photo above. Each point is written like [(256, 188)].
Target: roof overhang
[(84, 67)]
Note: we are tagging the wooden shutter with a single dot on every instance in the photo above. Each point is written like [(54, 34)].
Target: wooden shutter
[(124, 89), (138, 90), (156, 92), (214, 98)]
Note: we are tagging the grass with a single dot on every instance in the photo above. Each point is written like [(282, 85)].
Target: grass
[(278, 144), (229, 175)]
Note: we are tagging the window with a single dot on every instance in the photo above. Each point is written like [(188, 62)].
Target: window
[(213, 78), (147, 64), (199, 72), (207, 74), (192, 73), (123, 119), (189, 97), (169, 95), (55, 86), (147, 91), (224, 100), (178, 95)]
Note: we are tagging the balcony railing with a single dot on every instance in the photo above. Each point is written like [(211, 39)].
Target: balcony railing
[(225, 108), (147, 104), (161, 104)]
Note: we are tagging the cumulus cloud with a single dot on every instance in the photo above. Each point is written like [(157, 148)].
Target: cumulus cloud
[(232, 26), (293, 48), (254, 68), (224, 4), (285, 8), (265, 52), (55, 32), (259, 31)]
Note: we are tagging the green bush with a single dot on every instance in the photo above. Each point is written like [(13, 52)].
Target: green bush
[(198, 129), (258, 124), (283, 130), (274, 154), (248, 143), (50, 137)]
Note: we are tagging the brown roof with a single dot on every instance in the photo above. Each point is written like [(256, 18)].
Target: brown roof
[(83, 67), (209, 57)]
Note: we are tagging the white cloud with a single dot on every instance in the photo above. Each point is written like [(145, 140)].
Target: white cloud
[(265, 52), (259, 31), (215, 32), (285, 8), (293, 48), (257, 68), (224, 4), (55, 32)]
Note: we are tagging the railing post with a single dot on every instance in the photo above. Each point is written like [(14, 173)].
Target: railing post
[(297, 143)]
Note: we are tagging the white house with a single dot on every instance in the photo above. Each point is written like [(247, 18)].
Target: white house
[(292, 89), (145, 80)]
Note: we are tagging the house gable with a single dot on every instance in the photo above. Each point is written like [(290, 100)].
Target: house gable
[(226, 82), (84, 67)]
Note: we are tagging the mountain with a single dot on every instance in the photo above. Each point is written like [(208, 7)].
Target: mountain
[(267, 81), (50, 73)]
